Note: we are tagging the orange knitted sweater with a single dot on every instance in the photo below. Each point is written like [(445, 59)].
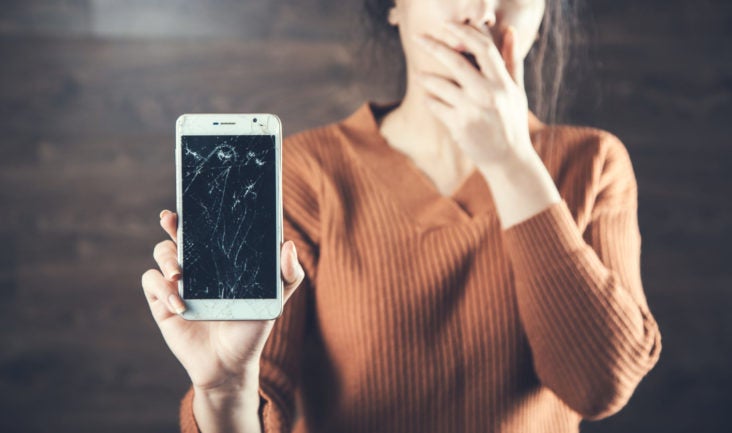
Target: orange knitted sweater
[(420, 314)]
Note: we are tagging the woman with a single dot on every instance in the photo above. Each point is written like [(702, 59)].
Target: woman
[(462, 266)]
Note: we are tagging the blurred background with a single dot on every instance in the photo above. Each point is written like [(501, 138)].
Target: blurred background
[(90, 89)]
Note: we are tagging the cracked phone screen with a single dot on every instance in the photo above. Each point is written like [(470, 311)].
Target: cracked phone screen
[(229, 217)]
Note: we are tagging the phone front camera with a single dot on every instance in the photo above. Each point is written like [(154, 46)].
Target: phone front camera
[(254, 120)]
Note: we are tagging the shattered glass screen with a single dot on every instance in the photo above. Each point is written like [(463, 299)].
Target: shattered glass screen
[(229, 217)]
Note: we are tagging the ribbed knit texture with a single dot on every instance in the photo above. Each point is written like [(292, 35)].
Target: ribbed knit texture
[(420, 314)]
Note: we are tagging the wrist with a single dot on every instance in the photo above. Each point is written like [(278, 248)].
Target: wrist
[(519, 159), (232, 385), (230, 407), (521, 187), (216, 413)]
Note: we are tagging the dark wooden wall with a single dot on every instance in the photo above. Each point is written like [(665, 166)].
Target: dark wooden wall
[(89, 90)]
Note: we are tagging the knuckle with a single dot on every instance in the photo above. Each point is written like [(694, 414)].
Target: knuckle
[(501, 95), (474, 112), (467, 120), (296, 278), (161, 248), (484, 98), (147, 278), (157, 249), (300, 275)]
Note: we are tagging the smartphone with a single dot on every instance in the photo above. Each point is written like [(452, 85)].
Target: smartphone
[(229, 203)]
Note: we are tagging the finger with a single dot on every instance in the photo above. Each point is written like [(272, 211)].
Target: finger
[(442, 88), (440, 109), (450, 39), (292, 272), (483, 48), (161, 295), (169, 222), (166, 255), (462, 70), (507, 51)]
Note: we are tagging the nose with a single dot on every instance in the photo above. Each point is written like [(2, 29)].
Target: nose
[(480, 14)]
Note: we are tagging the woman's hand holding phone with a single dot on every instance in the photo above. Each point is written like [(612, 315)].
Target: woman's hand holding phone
[(221, 357)]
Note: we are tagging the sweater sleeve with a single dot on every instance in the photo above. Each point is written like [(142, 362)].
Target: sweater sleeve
[(280, 362), (580, 296)]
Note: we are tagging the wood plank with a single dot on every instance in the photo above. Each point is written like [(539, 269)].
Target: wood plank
[(122, 86)]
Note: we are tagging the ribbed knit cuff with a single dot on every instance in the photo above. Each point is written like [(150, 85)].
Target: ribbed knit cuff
[(276, 397), (545, 238), (187, 421), (273, 418)]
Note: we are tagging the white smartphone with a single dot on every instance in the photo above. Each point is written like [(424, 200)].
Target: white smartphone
[(229, 203)]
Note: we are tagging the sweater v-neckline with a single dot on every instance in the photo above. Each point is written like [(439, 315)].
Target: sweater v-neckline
[(409, 185)]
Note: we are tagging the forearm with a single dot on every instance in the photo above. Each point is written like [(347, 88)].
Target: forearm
[(591, 339), (521, 187), (232, 410)]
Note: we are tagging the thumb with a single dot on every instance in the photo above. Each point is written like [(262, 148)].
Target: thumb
[(292, 271), (508, 51)]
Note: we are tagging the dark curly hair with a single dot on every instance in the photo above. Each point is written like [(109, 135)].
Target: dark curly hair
[(545, 67)]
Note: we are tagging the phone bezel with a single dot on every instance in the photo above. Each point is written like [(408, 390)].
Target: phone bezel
[(230, 124)]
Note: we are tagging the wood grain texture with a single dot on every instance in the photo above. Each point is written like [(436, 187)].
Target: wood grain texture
[(89, 91)]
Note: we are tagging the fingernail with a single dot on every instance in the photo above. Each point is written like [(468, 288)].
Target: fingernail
[(172, 271), (177, 304), (163, 213)]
